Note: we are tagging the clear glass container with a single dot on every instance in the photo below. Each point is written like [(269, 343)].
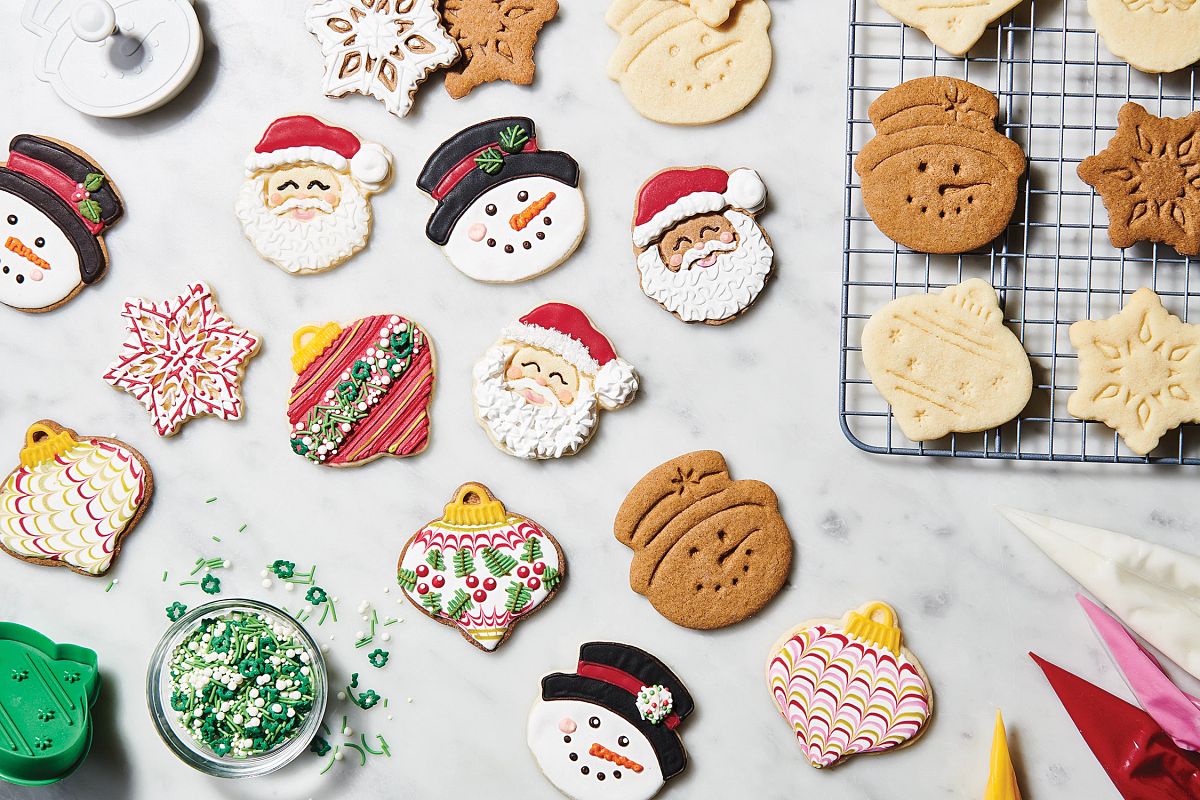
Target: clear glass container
[(172, 731)]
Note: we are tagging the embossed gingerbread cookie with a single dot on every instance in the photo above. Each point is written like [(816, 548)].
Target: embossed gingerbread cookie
[(496, 38)]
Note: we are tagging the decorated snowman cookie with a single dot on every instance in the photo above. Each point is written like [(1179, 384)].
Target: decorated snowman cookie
[(506, 210), (609, 730), (55, 204)]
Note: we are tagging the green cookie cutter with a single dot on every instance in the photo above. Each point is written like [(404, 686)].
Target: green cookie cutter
[(46, 694)]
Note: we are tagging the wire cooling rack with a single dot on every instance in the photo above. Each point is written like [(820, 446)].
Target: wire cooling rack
[(1059, 90)]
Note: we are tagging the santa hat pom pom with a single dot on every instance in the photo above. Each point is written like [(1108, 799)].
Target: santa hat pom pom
[(616, 384), (371, 165), (746, 190)]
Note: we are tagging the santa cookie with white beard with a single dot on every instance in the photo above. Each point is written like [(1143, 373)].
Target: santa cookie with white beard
[(700, 252), (306, 202), (539, 390)]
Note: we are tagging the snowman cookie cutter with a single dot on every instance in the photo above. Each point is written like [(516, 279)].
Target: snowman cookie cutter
[(115, 58)]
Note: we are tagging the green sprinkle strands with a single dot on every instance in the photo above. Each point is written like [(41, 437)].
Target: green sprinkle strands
[(189, 583), (164, 580), (216, 539), (241, 684), (211, 500), (362, 754), (332, 759), (242, 528), (111, 584)]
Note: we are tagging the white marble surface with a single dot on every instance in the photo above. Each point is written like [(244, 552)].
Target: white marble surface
[(972, 594)]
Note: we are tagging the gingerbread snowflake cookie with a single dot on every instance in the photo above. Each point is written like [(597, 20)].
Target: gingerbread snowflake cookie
[(381, 48), (953, 25), (1152, 35), (701, 253), (496, 38), (1149, 179)]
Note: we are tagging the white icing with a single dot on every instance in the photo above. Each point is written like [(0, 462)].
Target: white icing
[(371, 165), (654, 703), (258, 162), (55, 283), (746, 190), (553, 754), (616, 384), (687, 206), (483, 262), (554, 340)]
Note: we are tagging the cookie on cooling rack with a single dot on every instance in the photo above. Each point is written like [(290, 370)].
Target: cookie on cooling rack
[(952, 25), (1152, 35)]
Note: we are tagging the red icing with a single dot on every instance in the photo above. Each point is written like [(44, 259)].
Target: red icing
[(55, 181), (463, 168), (667, 187), (622, 680), (570, 320), (307, 131), (489, 583)]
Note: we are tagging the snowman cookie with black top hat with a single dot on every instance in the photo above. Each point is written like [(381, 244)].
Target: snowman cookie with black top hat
[(55, 204), (609, 730), (506, 210)]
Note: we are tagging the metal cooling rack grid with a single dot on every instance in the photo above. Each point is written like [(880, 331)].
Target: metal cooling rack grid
[(1059, 92)]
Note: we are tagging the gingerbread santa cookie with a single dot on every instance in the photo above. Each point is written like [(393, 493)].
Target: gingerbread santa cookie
[(701, 253), (55, 205), (305, 204), (496, 38)]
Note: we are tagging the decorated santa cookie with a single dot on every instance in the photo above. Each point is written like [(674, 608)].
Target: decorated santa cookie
[(362, 391), (73, 499), (506, 210), (609, 731), (480, 568), (540, 389), (55, 204), (306, 202), (700, 252)]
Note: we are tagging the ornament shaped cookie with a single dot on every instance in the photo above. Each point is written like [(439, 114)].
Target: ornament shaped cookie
[(55, 205), (115, 58), (938, 177), (506, 209), (953, 25), (305, 203), (709, 551), (1002, 777), (849, 688), (946, 362), (676, 64), (701, 253), (481, 568), (1139, 371), (381, 48), (1149, 179), (362, 391), (496, 38), (610, 729), (1152, 35), (540, 389), (183, 359), (73, 499)]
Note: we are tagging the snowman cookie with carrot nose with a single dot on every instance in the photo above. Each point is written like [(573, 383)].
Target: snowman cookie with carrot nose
[(506, 210)]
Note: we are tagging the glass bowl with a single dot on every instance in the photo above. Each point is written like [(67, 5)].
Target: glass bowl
[(177, 737)]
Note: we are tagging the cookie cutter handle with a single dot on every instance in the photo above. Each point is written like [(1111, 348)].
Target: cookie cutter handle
[(93, 20)]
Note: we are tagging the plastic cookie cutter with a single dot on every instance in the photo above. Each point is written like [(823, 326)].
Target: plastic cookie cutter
[(115, 58)]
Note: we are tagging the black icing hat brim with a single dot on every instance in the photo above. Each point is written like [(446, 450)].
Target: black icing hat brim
[(75, 166), (92, 259)]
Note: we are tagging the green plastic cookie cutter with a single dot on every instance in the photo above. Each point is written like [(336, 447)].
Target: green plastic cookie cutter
[(46, 694)]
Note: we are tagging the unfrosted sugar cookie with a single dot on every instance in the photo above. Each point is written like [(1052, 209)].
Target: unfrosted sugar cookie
[(953, 25), (1152, 35)]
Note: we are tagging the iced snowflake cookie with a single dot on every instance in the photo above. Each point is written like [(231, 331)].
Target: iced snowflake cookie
[(73, 499), (953, 25), (946, 362), (496, 38), (1139, 371), (610, 729), (539, 390), (677, 64), (381, 48), (55, 205), (701, 253), (1152, 35), (362, 391), (183, 359), (848, 687), (481, 568), (305, 204), (506, 210)]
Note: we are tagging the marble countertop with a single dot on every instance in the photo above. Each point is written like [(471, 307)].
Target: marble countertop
[(972, 594)]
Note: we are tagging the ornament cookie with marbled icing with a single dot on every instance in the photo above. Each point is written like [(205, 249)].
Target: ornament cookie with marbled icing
[(610, 730), (73, 499), (507, 210), (849, 687), (480, 568), (55, 205), (540, 389)]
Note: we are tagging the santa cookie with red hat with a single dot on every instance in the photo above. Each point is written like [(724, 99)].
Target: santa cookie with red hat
[(700, 252), (539, 390), (306, 202)]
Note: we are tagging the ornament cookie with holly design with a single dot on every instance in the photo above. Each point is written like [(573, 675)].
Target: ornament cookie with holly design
[(497, 39), (481, 568)]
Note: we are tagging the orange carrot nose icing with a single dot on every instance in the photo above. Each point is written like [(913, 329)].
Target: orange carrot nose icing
[(600, 751), (518, 221), (17, 246)]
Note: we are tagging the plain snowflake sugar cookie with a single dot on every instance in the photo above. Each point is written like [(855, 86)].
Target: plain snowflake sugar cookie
[(953, 25), (1139, 371), (946, 362), (1152, 35), (709, 551), (610, 730), (675, 67)]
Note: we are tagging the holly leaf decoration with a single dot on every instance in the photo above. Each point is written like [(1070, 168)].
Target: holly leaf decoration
[(433, 602), (464, 564), (434, 559), (513, 138), (459, 604), (551, 579), (531, 550), (93, 181), (407, 578), (491, 161), (499, 564), (518, 596), (89, 210)]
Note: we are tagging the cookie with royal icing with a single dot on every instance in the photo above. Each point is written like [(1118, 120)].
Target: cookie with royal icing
[(540, 389), (305, 203), (480, 568), (73, 499), (848, 687), (56, 203), (507, 210)]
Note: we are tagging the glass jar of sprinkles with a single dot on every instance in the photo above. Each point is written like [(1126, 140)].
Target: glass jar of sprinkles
[(237, 688)]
